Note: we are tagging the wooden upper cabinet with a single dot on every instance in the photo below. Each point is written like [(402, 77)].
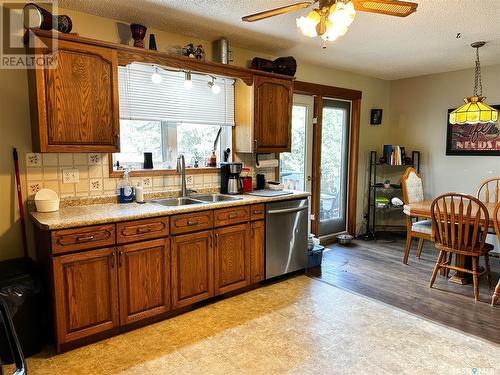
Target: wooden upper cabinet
[(263, 115), (273, 114), (86, 293), (232, 258), (75, 102), (192, 268), (144, 274)]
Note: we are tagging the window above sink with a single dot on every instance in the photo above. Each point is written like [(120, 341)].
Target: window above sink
[(171, 112)]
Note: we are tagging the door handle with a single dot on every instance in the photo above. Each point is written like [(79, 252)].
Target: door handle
[(287, 210), (113, 255), (217, 240), (120, 258), (233, 215)]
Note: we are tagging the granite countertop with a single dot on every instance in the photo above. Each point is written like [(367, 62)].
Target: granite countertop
[(94, 214)]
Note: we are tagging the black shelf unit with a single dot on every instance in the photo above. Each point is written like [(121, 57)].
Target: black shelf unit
[(373, 187)]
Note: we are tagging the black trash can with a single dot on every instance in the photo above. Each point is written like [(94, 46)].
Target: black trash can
[(21, 290)]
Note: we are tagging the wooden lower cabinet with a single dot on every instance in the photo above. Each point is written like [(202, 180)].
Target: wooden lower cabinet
[(86, 293), (106, 288), (192, 268), (232, 258), (144, 279), (257, 253)]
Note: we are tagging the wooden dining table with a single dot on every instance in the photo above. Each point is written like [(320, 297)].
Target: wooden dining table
[(423, 210)]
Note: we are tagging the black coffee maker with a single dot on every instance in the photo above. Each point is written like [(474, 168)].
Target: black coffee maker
[(230, 181)]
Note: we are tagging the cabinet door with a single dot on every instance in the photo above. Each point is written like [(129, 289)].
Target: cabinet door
[(192, 268), (86, 293), (232, 258), (144, 275), (77, 100), (257, 253), (273, 114)]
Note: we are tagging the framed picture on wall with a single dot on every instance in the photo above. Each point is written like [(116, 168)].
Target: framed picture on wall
[(376, 116), (474, 140)]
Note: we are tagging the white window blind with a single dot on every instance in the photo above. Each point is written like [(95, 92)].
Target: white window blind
[(141, 99)]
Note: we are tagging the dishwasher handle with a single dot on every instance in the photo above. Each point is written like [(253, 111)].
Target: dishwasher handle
[(287, 210)]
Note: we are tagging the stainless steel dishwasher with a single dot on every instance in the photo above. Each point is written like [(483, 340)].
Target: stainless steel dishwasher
[(286, 236)]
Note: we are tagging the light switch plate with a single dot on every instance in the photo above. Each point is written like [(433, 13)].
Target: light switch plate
[(70, 176)]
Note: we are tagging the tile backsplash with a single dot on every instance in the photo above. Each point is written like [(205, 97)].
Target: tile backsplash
[(46, 171)]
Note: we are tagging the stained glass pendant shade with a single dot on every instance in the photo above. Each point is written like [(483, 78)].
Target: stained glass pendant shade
[(475, 111)]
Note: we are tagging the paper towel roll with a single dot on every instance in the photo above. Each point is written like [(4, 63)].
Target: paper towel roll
[(271, 163)]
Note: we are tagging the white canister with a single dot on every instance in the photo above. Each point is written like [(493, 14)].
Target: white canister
[(139, 193)]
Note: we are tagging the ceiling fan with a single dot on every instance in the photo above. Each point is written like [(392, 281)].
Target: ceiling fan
[(333, 17)]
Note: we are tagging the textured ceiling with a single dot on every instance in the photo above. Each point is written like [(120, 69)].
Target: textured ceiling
[(376, 45)]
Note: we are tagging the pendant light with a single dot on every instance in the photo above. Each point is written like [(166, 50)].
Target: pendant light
[(188, 81), (216, 89), (474, 111), (156, 78)]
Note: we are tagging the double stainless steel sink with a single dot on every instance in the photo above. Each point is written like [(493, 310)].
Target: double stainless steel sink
[(196, 199)]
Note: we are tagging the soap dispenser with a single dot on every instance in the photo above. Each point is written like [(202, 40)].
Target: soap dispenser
[(127, 191)]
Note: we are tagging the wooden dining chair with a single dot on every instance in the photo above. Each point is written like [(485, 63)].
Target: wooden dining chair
[(458, 223), (496, 222), (489, 190), (413, 192)]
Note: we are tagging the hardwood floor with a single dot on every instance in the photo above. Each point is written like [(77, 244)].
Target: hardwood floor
[(375, 269)]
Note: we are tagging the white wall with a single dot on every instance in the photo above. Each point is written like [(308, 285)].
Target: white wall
[(418, 115)]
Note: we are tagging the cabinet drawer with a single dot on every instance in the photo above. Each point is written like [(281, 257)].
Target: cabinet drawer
[(233, 215), (191, 222), (67, 240), (141, 229), (257, 212)]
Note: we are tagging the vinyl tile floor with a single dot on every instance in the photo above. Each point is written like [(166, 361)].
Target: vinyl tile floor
[(296, 326)]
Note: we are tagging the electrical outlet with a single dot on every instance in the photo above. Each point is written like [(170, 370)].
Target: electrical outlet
[(70, 176)]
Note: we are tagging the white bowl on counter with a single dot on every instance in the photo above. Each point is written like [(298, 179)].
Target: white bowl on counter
[(47, 200)]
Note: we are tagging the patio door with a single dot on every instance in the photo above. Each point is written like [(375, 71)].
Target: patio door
[(296, 166), (333, 151)]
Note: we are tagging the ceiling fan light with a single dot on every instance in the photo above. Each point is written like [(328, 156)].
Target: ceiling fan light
[(331, 34), (342, 14), (307, 24)]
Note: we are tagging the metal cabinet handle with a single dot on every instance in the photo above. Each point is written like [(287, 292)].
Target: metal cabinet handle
[(211, 240), (120, 258), (85, 238), (217, 240), (257, 212), (233, 215), (255, 144), (192, 223), (113, 255), (144, 229)]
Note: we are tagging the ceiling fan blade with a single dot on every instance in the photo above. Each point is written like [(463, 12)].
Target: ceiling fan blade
[(388, 7), (277, 11)]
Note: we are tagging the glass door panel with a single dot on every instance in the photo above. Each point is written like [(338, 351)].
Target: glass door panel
[(334, 164), (295, 166)]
